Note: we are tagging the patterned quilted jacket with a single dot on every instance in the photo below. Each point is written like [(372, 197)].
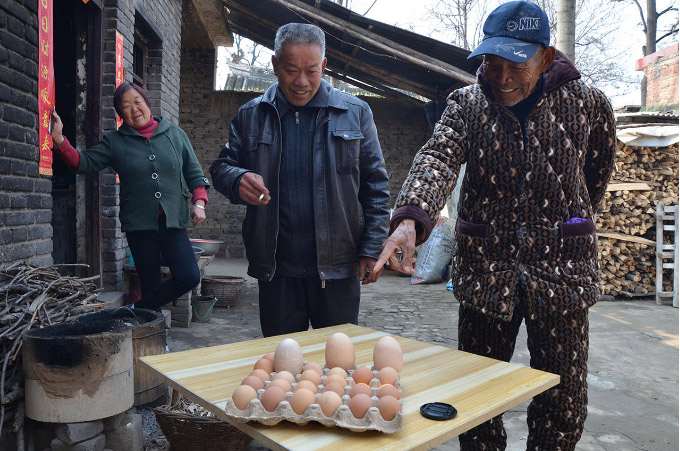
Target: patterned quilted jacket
[(528, 196)]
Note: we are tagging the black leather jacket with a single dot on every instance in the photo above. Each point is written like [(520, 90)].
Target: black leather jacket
[(350, 193)]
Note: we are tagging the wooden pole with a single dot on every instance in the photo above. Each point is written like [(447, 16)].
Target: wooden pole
[(382, 90)]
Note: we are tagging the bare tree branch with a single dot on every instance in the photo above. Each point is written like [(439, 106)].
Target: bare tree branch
[(671, 32), (642, 15), (370, 7), (246, 51), (670, 8), (463, 18)]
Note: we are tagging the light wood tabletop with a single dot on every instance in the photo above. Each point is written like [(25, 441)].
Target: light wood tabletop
[(478, 387)]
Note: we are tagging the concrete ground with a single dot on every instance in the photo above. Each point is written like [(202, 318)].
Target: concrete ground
[(633, 366)]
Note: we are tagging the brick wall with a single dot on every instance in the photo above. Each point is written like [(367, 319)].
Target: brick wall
[(163, 79), (662, 84), (164, 19), (205, 115), (25, 200)]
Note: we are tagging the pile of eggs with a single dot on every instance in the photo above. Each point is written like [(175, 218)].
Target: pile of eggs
[(313, 392)]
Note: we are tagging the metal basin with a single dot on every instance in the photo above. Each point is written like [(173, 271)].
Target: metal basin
[(210, 247), (198, 252)]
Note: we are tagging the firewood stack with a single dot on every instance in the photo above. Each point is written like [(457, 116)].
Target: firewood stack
[(626, 222), (33, 297)]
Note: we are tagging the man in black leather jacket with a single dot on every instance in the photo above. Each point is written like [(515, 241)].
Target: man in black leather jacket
[(305, 158)]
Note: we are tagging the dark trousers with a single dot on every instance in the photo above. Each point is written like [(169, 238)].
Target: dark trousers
[(290, 304), (146, 247), (558, 343)]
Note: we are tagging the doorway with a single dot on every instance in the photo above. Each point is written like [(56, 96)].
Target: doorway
[(76, 200)]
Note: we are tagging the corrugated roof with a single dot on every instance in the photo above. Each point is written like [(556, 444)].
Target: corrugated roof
[(371, 55)]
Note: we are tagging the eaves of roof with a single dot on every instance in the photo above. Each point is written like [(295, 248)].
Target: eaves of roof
[(372, 55)]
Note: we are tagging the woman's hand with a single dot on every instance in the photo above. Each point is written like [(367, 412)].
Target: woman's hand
[(197, 213), (57, 127)]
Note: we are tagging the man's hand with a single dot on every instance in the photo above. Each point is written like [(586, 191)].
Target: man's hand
[(367, 272), (252, 191), (403, 240)]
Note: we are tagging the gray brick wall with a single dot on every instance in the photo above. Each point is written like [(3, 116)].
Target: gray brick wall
[(25, 200), (205, 115), (25, 196), (163, 79)]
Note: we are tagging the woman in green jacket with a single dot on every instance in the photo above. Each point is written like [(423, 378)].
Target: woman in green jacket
[(157, 168)]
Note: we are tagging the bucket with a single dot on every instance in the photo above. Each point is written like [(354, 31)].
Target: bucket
[(148, 338), (202, 306), (134, 286), (77, 372)]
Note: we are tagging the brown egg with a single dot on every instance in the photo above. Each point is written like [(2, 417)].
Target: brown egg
[(388, 389), (312, 376), (253, 381), (387, 352), (271, 398), (262, 374), (388, 407), (360, 388), (359, 405), (313, 366), (269, 357), (362, 375), (282, 383), (309, 385), (340, 351), (288, 356), (287, 375), (334, 386), (264, 364), (242, 396), (337, 370), (335, 378), (329, 402), (388, 375), (300, 400)]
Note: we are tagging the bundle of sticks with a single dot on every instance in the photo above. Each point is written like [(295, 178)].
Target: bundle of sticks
[(626, 222), (34, 297)]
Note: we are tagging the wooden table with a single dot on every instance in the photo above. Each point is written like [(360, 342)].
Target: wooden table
[(478, 387)]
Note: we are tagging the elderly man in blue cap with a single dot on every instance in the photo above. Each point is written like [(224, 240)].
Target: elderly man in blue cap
[(539, 144)]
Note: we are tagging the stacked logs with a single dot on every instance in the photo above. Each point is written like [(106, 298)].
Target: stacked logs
[(657, 166), (626, 222), (33, 297), (628, 268)]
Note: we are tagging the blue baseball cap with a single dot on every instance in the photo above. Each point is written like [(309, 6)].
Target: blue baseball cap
[(514, 31)]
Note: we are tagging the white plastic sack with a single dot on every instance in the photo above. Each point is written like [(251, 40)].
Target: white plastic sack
[(435, 254)]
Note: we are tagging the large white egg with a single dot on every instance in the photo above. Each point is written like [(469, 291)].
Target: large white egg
[(340, 352), (288, 357), (387, 352)]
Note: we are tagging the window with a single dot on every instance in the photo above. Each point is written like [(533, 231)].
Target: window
[(139, 57)]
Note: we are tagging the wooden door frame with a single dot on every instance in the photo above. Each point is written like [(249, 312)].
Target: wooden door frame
[(93, 134)]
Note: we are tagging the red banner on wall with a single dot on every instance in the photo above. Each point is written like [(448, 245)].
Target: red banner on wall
[(120, 76), (119, 67), (45, 85)]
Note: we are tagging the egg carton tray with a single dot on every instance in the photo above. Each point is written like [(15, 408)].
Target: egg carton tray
[(342, 417)]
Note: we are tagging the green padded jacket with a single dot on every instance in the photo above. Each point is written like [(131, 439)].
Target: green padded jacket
[(159, 171)]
